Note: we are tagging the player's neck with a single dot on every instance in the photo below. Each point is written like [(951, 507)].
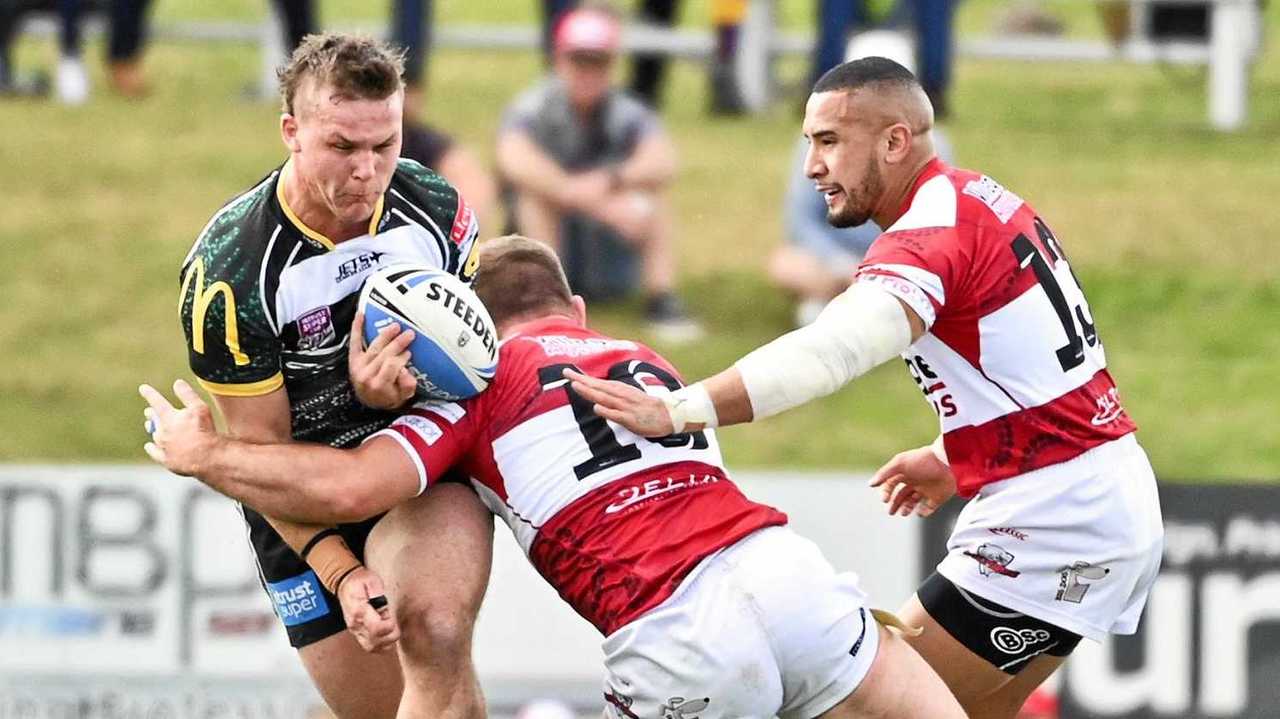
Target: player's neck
[(894, 200), (306, 203)]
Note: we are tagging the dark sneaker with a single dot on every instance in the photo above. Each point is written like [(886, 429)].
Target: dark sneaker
[(669, 322)]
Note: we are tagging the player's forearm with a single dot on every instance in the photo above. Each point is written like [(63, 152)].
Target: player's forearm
[(860, 329), (306, 483)]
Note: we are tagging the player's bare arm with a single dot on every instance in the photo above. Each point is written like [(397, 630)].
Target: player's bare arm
[(860, 329), (265, 418), (341, 485), (379, 373)]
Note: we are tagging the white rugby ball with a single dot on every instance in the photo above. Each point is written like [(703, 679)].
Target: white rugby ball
[(454, 354)]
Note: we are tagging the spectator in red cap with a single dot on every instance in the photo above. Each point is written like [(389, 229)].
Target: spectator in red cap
[(589, 166)]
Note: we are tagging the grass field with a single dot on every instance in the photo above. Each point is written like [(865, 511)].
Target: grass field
[(1171, 228)]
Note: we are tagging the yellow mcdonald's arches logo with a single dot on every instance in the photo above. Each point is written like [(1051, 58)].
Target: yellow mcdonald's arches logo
[(473, 261), (201, 298)]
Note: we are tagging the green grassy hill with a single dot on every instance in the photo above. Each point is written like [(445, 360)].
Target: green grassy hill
[(1171, 229)]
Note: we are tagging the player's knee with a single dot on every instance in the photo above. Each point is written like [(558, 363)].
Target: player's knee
[(436, 634)]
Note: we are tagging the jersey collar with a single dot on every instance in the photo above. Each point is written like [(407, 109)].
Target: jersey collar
[(932, 169), (302, 227)]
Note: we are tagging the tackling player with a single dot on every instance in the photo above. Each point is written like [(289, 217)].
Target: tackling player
[(268, 293), (709, 604), (971, 288)]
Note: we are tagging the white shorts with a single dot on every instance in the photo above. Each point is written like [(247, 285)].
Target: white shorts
[(1077, 544), (765, 627)]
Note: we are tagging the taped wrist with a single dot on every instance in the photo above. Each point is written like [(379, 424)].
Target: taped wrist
[(691, 405), (330, 558)]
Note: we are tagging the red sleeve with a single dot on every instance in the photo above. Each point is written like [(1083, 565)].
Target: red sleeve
[(922, 267), (435, 435)]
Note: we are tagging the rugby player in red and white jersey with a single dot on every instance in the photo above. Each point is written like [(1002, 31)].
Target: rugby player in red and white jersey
[(709, 604), (969, 286)]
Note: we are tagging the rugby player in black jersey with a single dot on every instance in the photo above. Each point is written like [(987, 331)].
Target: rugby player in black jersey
[(268, 304)]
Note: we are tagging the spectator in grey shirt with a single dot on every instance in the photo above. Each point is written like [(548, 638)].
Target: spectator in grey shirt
[(589, 167)]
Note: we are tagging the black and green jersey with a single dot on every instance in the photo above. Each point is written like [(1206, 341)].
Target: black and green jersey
[(267, 302)]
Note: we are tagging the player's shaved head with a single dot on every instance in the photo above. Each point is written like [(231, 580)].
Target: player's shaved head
[(869, 127), (882, 92), (521, 279)]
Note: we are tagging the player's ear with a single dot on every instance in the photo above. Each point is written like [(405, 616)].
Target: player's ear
[(899, 143), (579, 309), (289, 132)]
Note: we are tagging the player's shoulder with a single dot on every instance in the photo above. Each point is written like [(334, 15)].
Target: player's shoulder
[(425, 190), (236, 236), (982, 201)]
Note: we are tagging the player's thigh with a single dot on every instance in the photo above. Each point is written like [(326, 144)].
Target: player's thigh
[(967, 675), (434, 554), (990, 656), (1007, 701), (354, 683), (900, 685)]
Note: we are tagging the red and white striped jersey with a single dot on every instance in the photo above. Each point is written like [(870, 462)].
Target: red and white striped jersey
[(1011, 361), (612, 520)]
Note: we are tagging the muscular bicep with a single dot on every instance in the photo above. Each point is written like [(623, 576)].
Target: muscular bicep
[(261, 419)]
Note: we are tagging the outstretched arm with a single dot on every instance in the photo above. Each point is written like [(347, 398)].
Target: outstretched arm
[(293, 481), (863, 327)]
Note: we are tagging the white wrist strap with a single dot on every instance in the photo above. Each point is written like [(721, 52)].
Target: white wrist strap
[(691, 405)]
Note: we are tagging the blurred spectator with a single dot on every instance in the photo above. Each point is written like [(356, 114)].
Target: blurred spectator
[(411, 24), (589, 168), (127, 34), (817, 261), (649, 70), (455, 163), (11, 82), (931, 21), (726, 20)]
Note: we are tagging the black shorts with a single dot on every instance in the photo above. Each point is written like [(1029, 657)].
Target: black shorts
[(308, 610), (1006, 638)]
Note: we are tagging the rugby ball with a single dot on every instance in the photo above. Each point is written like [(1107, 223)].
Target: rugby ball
[(454, 353)]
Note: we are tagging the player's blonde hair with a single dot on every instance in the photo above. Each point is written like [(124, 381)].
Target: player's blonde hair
[(520, 278), (354, 66)]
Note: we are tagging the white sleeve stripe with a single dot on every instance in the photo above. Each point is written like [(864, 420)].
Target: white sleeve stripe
[(909, 292), (451, 412), (924, 279), (408, 448), (280, 299), (262, 281), (439, 233), (441, 248)]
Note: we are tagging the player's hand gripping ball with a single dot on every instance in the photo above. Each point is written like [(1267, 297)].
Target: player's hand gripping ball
[(454, 353)]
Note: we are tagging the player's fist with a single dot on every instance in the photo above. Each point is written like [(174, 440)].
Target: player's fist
[(379, 373), (915, 481), (181, 439), (368, 615)]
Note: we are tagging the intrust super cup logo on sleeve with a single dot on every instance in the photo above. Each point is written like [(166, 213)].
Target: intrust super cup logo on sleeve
[(298, 599)]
